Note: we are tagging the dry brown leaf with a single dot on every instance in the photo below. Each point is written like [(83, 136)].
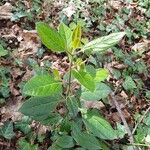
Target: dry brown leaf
[(10, 110), (142, 46), (13, 89), (5, 11), (116, 117), (30, 41), (93, 104)]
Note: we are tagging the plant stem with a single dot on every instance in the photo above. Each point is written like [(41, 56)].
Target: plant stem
[(122, 116), (70, 74)]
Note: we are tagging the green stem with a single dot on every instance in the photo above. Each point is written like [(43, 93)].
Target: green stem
[(70, 74)]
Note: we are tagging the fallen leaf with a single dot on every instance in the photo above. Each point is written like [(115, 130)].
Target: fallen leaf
[(5, 11)]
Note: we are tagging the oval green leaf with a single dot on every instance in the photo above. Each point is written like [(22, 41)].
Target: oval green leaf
[(50, 37), (104, 43), (39, 107), (65, 141), (42, 85), (101, 74), (101, 92), (85, 79), (76, 37), (66, 33), (87, 141), (99, 126)]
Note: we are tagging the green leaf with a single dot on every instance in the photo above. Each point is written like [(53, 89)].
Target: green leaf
[(121, 130), (104, 43), (7, 130), (24, 145), (65, 141), (42, 85), (147, 119), (87, 141), (50, 37), (85, 79), (2, 51), (22, 126), (39, 108), (76, 37), (129, 84), (148, 94), (65, 125), (56, 74), (91, 70), (72, 106), (101, 92), (99, 126), (51, 120), (66, 33), (55, 147), (101, 75)]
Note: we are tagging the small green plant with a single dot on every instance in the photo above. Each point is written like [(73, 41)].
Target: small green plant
[(77, 127)]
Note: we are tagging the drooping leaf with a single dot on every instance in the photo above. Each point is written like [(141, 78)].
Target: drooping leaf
[(85, 79), (65, 141), (129, 84), (72, 106), (41, 85), (66, 33), (87, 141), (76, 37), (104, 43), (91, 70), (2, 51), (101, 75), (39, 108), (99, 126), (101, 92), (50, 37), (24, 145), (7, 130)]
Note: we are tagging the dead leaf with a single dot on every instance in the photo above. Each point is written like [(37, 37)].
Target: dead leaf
[(5, 11), (10, 110), (70, 10), (13, 89), (142, 46), (93, 104)]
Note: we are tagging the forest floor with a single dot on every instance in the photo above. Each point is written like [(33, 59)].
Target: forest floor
[(22, 54)]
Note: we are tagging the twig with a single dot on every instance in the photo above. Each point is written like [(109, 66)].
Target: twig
[(69, 81), (139, 144), (123, 119), (122, 116), (141, 119)]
